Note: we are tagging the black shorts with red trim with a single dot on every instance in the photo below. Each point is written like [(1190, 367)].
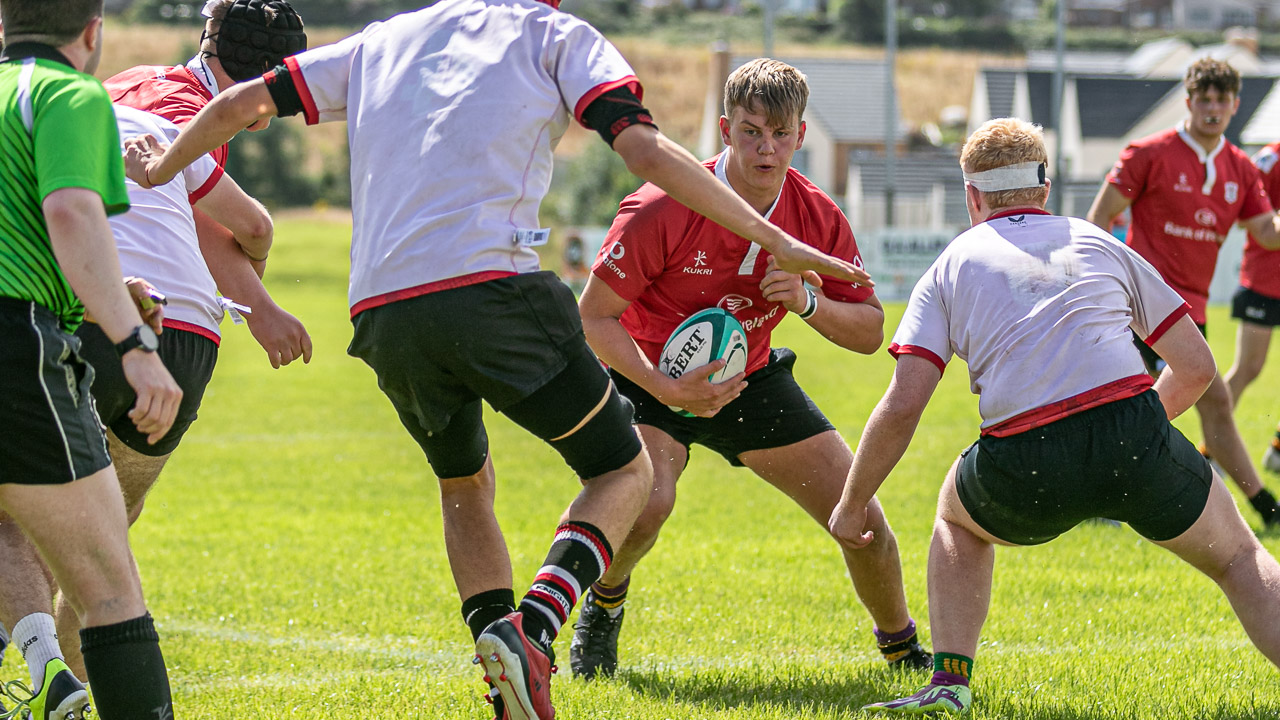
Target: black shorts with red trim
[(189, 357), (51, 434), (1254, 307), (1122, 461), (772, 412), (515, 342)]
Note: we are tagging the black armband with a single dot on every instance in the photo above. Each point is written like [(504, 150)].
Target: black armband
[(283, 91), (615, 111)]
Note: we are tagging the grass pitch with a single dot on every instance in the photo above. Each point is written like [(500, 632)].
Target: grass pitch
[(293, 559)]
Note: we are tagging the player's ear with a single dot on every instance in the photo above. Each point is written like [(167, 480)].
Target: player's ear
[(724, 129), (800, 135), (92, 34)]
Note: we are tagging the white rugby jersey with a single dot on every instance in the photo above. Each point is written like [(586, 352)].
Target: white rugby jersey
[(1040, 307), (157, 239), (453, 112)]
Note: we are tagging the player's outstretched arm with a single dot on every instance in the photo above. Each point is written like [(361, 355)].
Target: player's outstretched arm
[(1107, 204), (885, 439), (1191, 366), (654, 157), (601, 310), (86, 253), (148, 163)]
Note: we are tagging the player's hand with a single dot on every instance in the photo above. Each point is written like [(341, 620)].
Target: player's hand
[(787, 288), (140, 154), (848, 524), (795, 257), (158, 394), (695, 392), (148, 300), (280, 334)]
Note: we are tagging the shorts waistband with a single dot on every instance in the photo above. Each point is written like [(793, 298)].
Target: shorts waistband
[(16, 306)]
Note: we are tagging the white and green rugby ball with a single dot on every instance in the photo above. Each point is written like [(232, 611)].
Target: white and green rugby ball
[(707, 335)]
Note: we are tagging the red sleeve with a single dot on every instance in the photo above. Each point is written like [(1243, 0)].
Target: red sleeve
[(634, 252), (836, 239), (1129, 175), (1256, 201)]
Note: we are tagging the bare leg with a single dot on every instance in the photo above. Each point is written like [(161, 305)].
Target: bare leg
[(961, 561), (812, 473), (26, 585), (137, 474), (477, 551), (81, 532), (668, 458), (1223, 439), (1252, 343), (1221, 546)]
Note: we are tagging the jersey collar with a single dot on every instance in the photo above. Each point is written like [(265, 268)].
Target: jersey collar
[(1206, 158), (723, 174), (200, 69), (39, 51), (1017, 211)]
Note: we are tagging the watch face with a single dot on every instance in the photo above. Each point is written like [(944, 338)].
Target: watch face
[(150, 342)]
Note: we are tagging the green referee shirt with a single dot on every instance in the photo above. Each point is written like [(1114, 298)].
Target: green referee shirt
[(57, 130)]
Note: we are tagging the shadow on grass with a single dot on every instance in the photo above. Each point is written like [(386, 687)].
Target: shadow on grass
[(786, 687), (828, 690)]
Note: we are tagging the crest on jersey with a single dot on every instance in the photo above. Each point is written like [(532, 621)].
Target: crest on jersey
[(1231, 191), (734, 303)]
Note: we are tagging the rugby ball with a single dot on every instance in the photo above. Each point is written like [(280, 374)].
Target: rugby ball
[(707, 335)]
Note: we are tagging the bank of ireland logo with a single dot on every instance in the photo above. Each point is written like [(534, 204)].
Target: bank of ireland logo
[(734, 303), (1205, 217), (1231, 191)]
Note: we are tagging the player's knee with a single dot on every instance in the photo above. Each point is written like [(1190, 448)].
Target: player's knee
[(606, 443), (662, 501)]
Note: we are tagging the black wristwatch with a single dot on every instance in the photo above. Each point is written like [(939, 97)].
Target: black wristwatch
[(141, 337)]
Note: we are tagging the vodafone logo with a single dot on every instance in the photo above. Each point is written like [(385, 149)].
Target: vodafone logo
[(1205, 217), (734, 303), (617, 251)]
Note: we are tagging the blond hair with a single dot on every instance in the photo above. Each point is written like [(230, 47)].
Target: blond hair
[(770, 87), (1001, 142)]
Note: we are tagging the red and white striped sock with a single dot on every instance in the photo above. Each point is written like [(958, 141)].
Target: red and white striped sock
[(579, 555)]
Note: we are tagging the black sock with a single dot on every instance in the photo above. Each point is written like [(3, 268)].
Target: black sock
[(579, 555), (127, 670), (483, 608), (1265, 503)]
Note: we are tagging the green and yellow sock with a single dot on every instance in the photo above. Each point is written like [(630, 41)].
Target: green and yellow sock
[(951, 669)]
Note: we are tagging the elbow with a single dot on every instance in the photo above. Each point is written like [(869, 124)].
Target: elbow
[(868, 342), (257, 235)]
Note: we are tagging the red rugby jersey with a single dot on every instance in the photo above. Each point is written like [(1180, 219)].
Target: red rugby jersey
[(1260, 269), (173, 93), (1184, 203), (671, 262)]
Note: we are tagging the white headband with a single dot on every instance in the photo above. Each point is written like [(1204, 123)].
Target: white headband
[(1009, 177)]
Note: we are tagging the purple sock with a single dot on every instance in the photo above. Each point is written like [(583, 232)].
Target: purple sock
[(946, 678), (883, 638)]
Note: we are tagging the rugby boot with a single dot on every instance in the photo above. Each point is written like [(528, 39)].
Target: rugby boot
[(61, 696), (1265, 503), (518, 668), (1271, 458), (929, 699), (594, 648), (912, 657)]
